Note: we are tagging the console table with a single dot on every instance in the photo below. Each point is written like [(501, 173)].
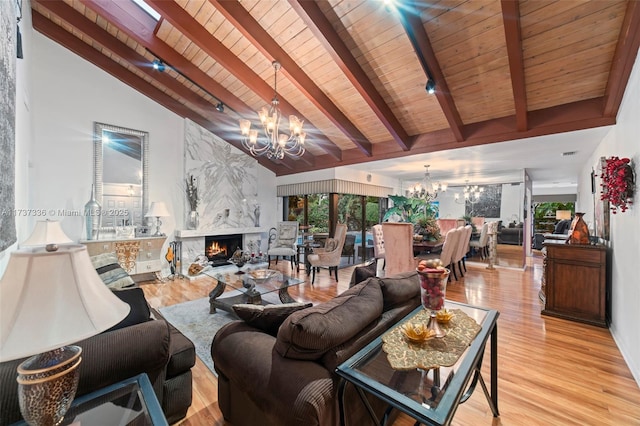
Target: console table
[(575, 283), (136, 255)]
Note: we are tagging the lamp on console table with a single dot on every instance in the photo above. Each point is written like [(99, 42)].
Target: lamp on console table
[(51, 297), (158, 209)]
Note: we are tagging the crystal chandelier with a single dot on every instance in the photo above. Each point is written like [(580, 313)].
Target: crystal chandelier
[(470, 193), (273, 143), (427, 190)]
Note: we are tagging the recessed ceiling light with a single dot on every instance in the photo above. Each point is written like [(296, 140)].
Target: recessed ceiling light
[(569, 153)]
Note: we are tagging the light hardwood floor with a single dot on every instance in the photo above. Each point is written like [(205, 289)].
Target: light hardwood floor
[(551, 371)]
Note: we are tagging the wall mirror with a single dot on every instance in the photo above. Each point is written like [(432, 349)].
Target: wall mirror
[(120, 158)]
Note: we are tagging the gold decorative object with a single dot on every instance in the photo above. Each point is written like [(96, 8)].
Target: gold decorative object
[(444, 316), (417, 332), (127, 253)]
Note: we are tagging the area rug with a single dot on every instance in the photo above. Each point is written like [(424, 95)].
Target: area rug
[(194, 321)]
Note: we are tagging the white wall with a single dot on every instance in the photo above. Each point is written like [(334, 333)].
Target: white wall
[(622, 141), (69, 94)]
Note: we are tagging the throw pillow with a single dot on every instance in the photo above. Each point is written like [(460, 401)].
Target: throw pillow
[(362, 273), (330, 244), (111, 272), (139, 308), (267, 318)]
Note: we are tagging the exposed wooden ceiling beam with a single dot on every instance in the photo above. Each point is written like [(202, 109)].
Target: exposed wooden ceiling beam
[(242, 20), (513, 36), (186, 24), (322, 29), (79, 47), (564, 118), (412, 22), (141, 28), (623, 60)]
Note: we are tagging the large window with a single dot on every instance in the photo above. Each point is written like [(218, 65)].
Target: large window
[(359, 213)]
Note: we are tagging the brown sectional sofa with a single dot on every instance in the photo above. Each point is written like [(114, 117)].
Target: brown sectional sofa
[(289, 378)]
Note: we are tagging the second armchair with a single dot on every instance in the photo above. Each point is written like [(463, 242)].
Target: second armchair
[(330, 255)]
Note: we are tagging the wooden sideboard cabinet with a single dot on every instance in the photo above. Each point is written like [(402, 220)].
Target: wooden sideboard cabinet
[(136, 255), (575, 283)]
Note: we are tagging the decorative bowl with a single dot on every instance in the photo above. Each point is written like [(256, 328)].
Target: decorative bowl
[(261, 275), (416, 332)]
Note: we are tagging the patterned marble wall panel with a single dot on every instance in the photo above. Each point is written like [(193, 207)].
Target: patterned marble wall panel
[(227, 180)]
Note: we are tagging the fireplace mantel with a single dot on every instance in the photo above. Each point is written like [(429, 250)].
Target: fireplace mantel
[(195, 233)]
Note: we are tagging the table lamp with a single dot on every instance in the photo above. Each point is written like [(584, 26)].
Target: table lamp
[(51, 297), (46, 232), (563, 214), (158, 209)]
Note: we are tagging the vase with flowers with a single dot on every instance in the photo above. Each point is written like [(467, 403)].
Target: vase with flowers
[(617, 183), (193, 219)]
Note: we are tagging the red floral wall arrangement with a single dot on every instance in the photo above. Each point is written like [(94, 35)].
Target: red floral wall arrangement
[(618, 183)]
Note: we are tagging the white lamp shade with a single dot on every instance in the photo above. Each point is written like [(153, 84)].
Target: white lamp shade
[(158, 209), (46, 232), (52, 299), (563, 214)]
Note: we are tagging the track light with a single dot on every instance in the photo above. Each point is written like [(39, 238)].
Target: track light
[(431, 86), (158, 65), (220, 107)]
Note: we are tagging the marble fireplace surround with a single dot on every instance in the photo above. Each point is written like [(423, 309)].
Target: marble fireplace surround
[(227, 182)]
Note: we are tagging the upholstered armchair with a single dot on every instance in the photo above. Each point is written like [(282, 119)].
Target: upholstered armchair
[(329, 256), (283, 241)]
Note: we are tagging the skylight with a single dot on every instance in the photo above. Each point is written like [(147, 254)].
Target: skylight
[(144, 6)]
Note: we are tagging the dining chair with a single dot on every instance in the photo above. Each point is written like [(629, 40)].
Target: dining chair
[(398, 246)]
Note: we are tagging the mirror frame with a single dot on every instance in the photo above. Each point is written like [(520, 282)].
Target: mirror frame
[(98, 162)]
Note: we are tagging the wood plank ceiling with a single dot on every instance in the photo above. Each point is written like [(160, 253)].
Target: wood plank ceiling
[(356, 70)]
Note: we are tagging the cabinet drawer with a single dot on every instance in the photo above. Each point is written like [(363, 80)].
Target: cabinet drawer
[(148, 266), (587, 255), (100, 247)]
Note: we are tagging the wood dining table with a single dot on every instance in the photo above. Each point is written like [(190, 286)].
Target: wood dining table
[(427, 247)]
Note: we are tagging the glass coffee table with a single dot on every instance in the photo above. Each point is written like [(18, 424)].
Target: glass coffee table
[(430, 396), (250, 287)]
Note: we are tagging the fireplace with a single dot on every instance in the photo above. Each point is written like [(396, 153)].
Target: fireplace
[(220, 248)]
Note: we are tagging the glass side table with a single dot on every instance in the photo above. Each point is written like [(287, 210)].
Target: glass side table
[(129, 402)]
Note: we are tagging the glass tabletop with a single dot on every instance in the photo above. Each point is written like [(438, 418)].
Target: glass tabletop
[(429, 396), (129, 402), (253, 282)]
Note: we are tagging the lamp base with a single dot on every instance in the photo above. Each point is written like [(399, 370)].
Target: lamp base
[(47, 384), (158, 224)]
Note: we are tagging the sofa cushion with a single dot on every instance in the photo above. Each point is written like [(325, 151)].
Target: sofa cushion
[(267, 318), (139, 308), (308, 334), (396, 290), (110, 271)]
